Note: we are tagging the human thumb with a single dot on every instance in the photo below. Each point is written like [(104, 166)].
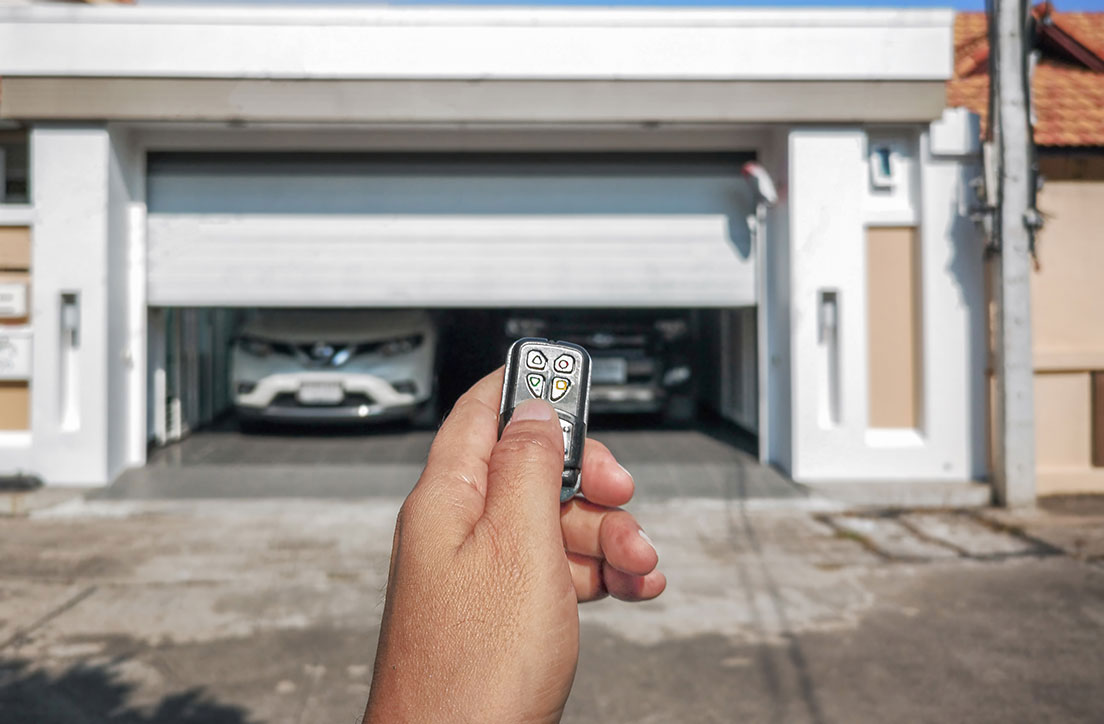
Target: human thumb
[(524, 473)]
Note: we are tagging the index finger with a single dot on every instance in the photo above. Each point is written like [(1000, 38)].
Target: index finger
[(461, 450), (605, 482)]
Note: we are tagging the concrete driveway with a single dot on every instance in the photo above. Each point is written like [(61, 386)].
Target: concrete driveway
[(263, 610)]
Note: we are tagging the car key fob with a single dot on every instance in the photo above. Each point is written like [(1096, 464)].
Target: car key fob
[(558, 372)]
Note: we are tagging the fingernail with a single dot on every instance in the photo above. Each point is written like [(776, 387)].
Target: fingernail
[(630, 478), (532, 410), (647, 539)]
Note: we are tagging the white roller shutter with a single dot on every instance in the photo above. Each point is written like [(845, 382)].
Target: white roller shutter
[(563, 231)]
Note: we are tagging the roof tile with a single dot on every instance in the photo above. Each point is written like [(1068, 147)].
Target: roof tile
[(1069, 100)]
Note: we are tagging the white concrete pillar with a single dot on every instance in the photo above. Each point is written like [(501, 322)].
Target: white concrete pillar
[(83, 361), (828, 300)]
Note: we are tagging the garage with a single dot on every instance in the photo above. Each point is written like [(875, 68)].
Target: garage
[(480, 164), (645, 258)]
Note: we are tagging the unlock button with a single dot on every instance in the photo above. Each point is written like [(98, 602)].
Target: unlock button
[(560, 386), (564, 363)]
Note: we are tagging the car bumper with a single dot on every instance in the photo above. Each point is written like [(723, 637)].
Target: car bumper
[(365, 397), (626, 399), (324, 413)]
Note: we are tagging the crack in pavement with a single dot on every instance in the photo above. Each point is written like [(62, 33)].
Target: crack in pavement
[(21, 635)]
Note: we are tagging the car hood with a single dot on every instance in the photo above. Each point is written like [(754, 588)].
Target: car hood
[(337, 325)]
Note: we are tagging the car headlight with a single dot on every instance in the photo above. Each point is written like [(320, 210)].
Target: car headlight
[(244, 388), (255, 347), (400, 346), (671, 329), (676, 376), (519, 327)]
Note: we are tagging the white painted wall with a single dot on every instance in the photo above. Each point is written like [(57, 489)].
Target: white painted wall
[(955, 331), (828, 214)]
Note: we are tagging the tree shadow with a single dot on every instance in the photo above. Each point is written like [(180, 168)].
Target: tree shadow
[(89, 694)]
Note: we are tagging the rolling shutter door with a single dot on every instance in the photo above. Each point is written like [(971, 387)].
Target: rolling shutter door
[(464, 230)]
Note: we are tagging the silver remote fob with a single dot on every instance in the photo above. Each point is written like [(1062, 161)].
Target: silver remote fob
[(558, 372)]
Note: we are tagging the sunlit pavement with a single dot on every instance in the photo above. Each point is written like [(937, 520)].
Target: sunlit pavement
[(777, 610)]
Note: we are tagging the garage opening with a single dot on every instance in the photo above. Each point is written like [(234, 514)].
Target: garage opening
[(276, 399), (318, 366), (324, 259)]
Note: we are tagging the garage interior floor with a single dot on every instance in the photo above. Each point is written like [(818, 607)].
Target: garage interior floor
[(711, 460)]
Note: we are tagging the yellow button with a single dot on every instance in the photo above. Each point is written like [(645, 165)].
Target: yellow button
[(559, 388)]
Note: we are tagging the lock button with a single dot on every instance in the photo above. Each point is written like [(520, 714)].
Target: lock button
[(535, 360)]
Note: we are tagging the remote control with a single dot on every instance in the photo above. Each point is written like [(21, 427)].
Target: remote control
[(558, 372)]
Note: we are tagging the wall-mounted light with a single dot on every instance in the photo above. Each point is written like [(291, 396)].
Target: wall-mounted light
[(69, 382), (883, 165)]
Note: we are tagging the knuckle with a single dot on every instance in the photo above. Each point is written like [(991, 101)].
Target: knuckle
[(528, 442), (412, 510), (470, 404), (402, 520)]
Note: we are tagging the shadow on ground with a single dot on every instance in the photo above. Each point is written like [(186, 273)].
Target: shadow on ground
[(94, 694)]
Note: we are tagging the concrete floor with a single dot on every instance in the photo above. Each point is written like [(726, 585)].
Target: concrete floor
[(708, 461), (251, 611)]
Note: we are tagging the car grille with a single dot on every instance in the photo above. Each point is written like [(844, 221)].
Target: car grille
[(324, 354), (351, 399)]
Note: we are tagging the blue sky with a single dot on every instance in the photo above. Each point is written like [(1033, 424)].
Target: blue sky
[(1097, 5)]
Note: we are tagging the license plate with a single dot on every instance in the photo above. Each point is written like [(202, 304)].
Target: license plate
[(321, 393), (609, 370)]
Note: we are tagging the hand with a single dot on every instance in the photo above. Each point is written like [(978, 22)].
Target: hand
[(487, 569)]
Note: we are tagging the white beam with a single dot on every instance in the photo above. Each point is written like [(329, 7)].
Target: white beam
[(477, 44)]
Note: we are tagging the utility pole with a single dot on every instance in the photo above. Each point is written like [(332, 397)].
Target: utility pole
[(1014, 441)]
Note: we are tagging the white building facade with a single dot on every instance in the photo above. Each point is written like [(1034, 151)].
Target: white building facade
[(208, 159)]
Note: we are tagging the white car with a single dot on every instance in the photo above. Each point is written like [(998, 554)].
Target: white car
[(334, 365)]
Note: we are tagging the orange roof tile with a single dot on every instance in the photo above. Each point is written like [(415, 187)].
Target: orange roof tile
[(1068, 98)]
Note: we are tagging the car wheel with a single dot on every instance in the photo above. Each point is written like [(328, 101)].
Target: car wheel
[(250, 427), (426, 415), (680, 410)]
